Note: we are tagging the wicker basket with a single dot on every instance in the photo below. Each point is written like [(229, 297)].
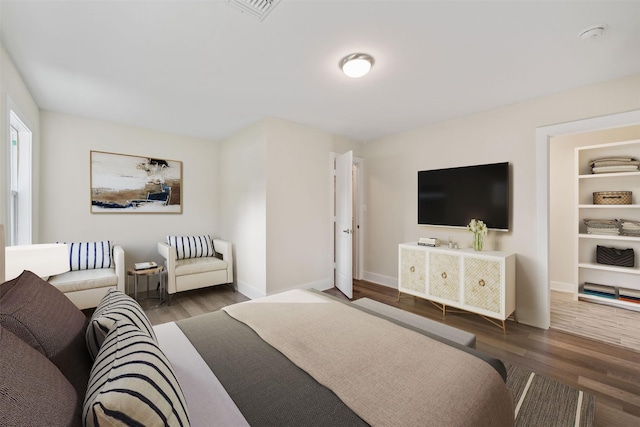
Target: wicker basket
[(612, 198)]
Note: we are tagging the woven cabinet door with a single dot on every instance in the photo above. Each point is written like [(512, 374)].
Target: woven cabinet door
[(444, 276), (413, 270), (483, 284)]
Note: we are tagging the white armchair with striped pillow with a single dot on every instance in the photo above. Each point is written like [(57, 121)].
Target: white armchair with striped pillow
[(194, 262), (94, 269)]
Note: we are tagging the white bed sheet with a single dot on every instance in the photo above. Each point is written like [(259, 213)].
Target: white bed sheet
[(207, 400)]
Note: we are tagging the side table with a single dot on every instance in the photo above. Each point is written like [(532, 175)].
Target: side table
[(158, 271)]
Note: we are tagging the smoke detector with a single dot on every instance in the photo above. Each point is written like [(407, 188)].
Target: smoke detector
[(593, 32), (258, 9)]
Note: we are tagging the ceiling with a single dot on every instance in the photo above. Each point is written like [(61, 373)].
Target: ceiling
[(204, 69)]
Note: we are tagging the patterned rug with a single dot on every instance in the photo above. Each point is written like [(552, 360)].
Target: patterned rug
[(540, 401)]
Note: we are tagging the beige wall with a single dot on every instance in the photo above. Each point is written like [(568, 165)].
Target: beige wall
[(562, 244), (276, 189), (243, 198), (65, 197), (16, 95), (504, 134)]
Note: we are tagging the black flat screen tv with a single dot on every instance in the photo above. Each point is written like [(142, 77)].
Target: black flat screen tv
[(452, 197)]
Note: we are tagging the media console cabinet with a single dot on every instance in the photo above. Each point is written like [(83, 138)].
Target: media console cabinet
[(481, 282)]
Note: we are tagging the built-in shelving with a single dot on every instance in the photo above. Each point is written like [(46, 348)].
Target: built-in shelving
[(587, 269)]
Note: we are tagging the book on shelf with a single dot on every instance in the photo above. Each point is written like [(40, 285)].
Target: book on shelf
[(599, 288), (630, 295), (599, 294)]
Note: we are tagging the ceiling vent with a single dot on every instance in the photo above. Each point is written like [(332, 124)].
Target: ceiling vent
[(259, 9)]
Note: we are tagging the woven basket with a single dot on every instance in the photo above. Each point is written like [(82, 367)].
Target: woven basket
[(612, 198)]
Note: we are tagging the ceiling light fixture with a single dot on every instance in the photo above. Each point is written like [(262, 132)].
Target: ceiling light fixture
[(593, 32), (356, 65)]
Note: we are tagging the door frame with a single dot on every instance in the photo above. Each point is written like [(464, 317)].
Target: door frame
[(543, 140), (358, 214)]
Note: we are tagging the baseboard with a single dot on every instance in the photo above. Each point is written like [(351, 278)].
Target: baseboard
[(319, 285), (252, 293), (249, 291), (562, 287), (379, 279)]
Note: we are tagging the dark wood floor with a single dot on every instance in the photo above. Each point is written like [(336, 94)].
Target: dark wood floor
[(610, 373)]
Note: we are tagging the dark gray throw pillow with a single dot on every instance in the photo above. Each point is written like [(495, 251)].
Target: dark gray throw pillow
[(33, 392), (44, 318)]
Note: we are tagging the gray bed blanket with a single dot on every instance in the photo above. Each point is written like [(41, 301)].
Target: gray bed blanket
[(297, 365), (267, 388)]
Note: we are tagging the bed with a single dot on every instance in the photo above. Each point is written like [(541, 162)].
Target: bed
[(298, 358)]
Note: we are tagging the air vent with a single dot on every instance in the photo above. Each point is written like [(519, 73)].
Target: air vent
[(259, 9)]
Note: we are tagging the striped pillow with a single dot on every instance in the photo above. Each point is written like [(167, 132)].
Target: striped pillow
[(115, 306), (133, 383), (90, 255), (192, 246)]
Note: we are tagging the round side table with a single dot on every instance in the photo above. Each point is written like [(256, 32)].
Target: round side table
[(157, 271)]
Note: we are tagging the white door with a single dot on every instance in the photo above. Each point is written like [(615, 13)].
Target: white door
[(344, 224)]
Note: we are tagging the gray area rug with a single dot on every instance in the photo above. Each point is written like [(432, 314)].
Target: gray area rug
[(540, 401)]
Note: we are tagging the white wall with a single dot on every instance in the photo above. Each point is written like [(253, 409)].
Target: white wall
[(275, 203), (299, 188), (65, 187), (242, 209), (562, 244), (504, 134), (16, 95)]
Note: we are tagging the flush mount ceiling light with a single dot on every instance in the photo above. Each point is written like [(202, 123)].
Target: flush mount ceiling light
[(356, 65), (593, 32)]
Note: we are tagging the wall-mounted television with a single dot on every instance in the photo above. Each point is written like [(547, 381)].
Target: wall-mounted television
[(452, 197)]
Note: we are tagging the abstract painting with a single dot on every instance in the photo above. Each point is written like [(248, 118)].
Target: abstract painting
[(122, 183)]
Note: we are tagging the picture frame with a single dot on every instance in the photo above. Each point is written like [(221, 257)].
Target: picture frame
[(125, 183)]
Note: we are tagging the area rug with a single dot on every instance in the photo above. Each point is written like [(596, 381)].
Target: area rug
[(540, 401)]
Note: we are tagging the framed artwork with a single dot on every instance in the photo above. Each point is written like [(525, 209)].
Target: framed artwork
[(122, 183)]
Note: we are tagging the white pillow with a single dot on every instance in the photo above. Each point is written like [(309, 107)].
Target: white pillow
[(192, 246), (90, 255)]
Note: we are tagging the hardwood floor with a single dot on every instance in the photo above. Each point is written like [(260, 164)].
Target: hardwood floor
[(611, 373)]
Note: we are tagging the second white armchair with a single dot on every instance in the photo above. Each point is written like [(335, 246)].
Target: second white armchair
[(194, 262)]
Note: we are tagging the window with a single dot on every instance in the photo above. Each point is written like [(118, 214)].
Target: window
[(20, 191)]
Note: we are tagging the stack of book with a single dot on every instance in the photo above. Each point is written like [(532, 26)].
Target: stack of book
[(599, 290), (428, 241)]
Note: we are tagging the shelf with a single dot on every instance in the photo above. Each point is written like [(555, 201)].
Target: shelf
[(612, 268), (608, 175), (610, 301), (607, 237), (592, 206), (587, 184)]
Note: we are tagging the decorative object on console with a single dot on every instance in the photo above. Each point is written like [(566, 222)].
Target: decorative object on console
[(122, 183), (615, 256), (428, 241), (479, 230)]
